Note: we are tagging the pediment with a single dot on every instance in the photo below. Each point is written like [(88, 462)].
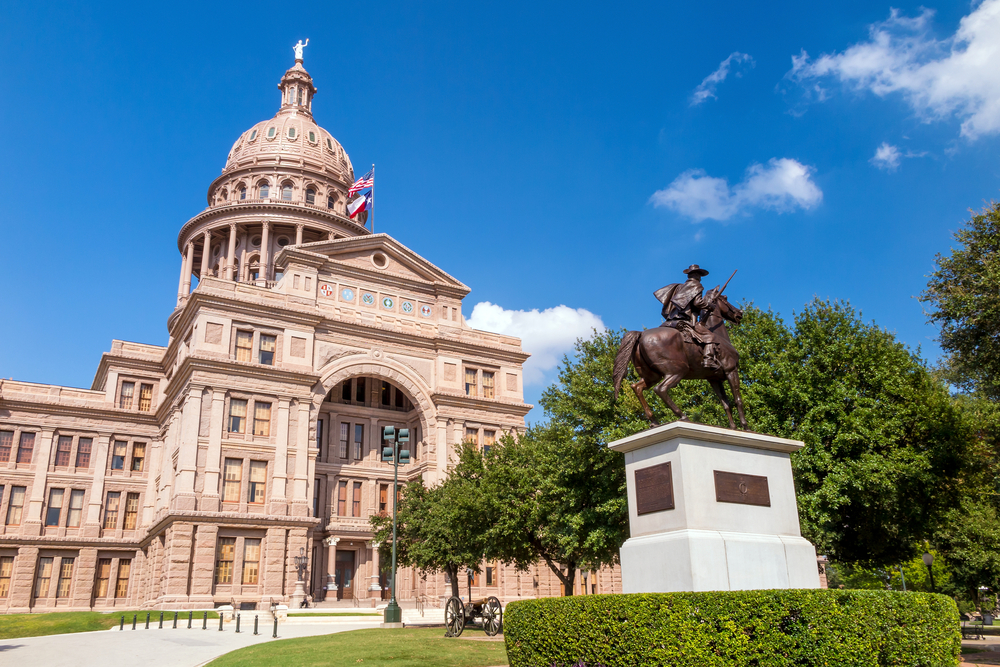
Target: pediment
[(375, 255)]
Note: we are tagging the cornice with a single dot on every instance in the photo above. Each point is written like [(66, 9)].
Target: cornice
[(125, 361), (227, 518), (182, 379), (53, 542), (80, 411), (455, 400)]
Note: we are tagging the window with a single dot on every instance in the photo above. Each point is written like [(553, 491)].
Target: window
[(267, 345), (258, 482), (75, 508), (359, 391), (489, 389), (44, 576), (261, 418), (342, 499), (111, 510), (359, 438), (356, 500), (6, 444), (253, 135), (345, 392), (65, 577), (243, 193), (270, 132), (237, 415), (83, 448), (131, 511), (310, 195), (244, 345), (225, 554), (312, 136), (489, 437), (400, 399), (125, 399), (471, 383), (138, 456), (232, 476), (383, 498), (386, 392), (25, 447), (286, 189), (54, 509), (15, 506), (264, 188), (319, 434), (145, 397), (300, 96), (316, 487), (329, 144), (103, 578), (118, 455), (472, 435), (124, 571), (63, 447), (329, 201), (344, 430), (491, 575), (6, 568), (251, 560)]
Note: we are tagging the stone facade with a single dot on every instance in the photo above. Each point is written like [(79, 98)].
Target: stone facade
[(191, 475)]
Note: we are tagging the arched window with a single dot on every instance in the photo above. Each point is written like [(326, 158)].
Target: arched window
[(310, 196), (265, 190), (300, 97), (286, 192), (291, 133), (253, 135), (270, 133), (291, 95), (243, 192), (329, 201)]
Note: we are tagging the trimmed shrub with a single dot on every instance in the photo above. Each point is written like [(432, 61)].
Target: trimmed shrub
[(735, 628)]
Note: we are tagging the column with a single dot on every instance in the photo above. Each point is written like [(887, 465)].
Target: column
[(203, 565), (205, 255), (298, 234), (188, 268), (33, 522), (279, 504), (99, 461), (231, 254), (154, 456), (210, 499), (300, 490), (331, 566), (265, 252), (187, 460), (180, 282), (374, 589)]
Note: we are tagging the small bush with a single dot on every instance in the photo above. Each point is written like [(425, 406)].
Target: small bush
[(735, 628)]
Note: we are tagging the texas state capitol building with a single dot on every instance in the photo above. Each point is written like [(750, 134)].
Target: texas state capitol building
[(192, 475)]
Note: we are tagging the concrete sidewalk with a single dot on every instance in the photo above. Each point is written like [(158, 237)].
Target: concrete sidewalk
[(180, 647)]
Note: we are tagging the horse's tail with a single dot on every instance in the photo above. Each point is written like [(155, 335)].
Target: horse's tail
[(629, 341)]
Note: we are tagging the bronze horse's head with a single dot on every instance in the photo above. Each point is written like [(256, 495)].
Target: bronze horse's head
[(720, 303)]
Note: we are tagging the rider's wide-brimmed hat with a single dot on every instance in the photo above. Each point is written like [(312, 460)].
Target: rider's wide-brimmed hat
[(695, 270)]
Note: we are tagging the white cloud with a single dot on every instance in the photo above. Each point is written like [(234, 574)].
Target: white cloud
[(886, 157), (706, 88), (955, 77), (781, 185), (547, 334)]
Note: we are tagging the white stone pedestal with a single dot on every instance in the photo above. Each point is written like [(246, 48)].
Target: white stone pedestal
[(728, 528)]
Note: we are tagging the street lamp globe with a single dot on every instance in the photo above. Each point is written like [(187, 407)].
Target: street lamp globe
[(928, 559)]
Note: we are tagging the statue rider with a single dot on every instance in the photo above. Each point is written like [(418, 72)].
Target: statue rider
[(682, 305)]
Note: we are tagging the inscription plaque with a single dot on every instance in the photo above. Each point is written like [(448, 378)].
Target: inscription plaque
[(654, 489), (731, 487)]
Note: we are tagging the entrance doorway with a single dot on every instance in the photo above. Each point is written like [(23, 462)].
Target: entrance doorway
[(345, 575)]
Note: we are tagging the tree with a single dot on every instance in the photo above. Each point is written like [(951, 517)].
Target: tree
[(964, 296), (439, 529)]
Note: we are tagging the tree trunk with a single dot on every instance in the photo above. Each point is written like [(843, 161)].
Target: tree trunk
[(452, 571), (566, 579)]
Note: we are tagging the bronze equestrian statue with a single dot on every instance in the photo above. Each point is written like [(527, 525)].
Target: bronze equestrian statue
[(691, 344)]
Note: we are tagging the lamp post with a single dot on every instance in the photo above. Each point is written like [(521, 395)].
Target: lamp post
[(468, 575), (928, 561), (301, 562), (397, 456)]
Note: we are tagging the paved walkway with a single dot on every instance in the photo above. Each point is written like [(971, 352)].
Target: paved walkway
[(167, 647)]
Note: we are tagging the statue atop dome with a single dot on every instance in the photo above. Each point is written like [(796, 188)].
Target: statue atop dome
[(298, 49)]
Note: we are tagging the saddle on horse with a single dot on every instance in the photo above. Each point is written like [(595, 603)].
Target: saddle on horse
[(682, 303)]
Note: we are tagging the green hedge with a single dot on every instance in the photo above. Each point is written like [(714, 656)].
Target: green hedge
[(732, 628)]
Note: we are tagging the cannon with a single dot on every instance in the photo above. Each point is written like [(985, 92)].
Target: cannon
[(458, 614)]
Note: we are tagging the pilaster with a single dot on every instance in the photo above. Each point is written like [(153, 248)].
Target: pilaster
[(210, 499), (42, 455), (279, 503), (187, 462), (92, 526)]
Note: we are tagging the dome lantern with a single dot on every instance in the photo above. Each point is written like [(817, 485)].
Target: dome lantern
[(297, 89)]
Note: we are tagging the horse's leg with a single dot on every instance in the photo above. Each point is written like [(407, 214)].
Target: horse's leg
[(734, 385), (720, 391), (663, 391), (638, 388)]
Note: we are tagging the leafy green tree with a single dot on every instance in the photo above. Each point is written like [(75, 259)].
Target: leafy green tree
[(963, 294), (969, 536), (439, 528)]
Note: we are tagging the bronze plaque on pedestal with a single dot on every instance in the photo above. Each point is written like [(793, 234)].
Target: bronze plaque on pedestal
[(654, 489), (731, 487)]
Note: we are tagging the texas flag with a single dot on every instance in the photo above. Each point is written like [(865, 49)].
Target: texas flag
[(360, 204)]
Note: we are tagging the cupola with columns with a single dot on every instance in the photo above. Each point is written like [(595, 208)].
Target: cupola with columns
[(285, 183)]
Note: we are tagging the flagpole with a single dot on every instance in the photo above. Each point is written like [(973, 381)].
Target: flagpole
[(373, 198)]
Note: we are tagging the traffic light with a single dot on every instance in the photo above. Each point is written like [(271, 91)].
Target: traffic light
[(404, 454), (388, 434), (388, 451)]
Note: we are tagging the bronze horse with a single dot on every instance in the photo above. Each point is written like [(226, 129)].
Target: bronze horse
[(662, 359)]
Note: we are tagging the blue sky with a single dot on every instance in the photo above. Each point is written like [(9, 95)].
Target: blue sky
[(547, 154)]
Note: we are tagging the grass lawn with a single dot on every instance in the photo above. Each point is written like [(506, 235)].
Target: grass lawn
[(57, 623), (409, 647)]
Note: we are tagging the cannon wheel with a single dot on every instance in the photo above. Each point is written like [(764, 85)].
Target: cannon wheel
[(492, 616), (454, 617)]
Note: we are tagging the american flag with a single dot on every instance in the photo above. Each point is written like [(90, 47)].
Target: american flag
[(366, 181)]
